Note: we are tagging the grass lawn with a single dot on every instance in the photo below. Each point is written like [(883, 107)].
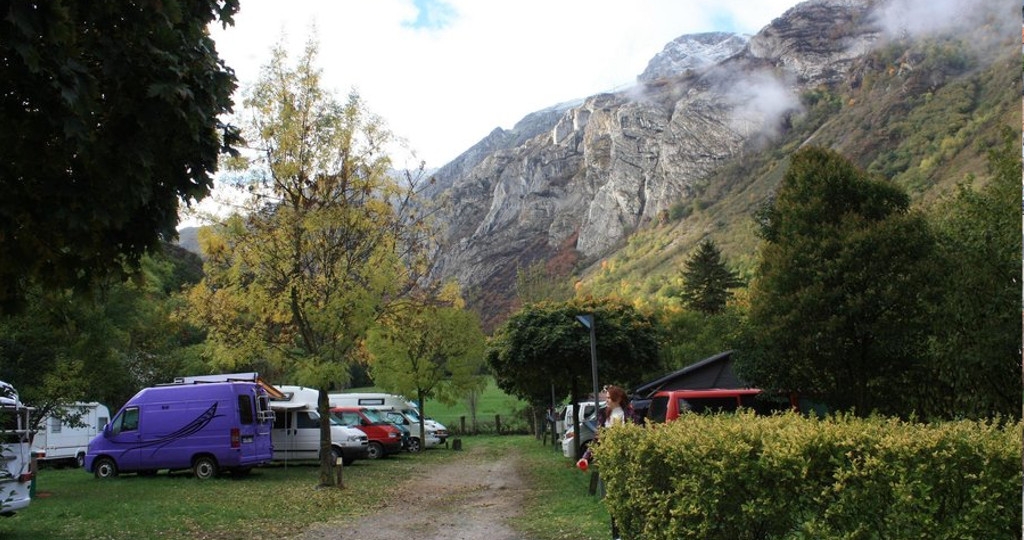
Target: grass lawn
[(279, 501)]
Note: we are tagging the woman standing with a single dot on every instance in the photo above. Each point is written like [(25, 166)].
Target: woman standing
[(616, 411)]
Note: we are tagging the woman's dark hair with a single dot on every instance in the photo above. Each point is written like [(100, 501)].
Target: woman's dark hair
[(618, 394)]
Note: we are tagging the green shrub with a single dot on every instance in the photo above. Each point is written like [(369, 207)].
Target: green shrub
[(787, 476)]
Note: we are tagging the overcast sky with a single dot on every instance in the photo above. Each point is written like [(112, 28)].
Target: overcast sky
[(444, 73)]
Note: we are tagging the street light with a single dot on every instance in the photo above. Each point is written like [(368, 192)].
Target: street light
[(588, 321)]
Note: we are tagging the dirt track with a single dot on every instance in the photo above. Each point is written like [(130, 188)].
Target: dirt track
[(471, 499)]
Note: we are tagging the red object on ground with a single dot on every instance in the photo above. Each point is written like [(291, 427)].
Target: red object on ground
[(583, 465)]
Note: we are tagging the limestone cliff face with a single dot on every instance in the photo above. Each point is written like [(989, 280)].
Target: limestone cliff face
[(580, 177)]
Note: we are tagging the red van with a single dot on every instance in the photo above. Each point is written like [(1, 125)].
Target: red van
[(385, 438), (667, 405)]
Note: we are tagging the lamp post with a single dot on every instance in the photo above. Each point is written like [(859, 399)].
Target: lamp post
[(588, 321)]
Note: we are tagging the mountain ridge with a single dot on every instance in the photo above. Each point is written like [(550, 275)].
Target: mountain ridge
[(621, 162)]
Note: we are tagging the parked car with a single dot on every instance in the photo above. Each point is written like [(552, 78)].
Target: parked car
[(392, 402), (207, 427), (296, 430), (384, 438), (667, 405), (587, 420), (406, 434), (413, 425), (59, 442)]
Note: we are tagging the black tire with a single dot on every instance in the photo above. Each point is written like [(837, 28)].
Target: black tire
[(414, 444), (204, 467), (80, 460), (104, 467), (374, 450), (148, 472), (239, 472)]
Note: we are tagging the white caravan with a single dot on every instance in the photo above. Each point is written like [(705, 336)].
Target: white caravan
[(296, 433), (15, 452), (60, 442), (392, 402)]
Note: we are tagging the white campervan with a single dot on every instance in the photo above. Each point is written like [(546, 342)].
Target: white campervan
[(58, 441), (15, 454), (436, 433), (296, 433)]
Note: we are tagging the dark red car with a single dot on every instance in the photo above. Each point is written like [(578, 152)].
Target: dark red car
[(385, 438)]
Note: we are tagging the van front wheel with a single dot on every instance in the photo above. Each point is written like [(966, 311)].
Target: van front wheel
[(375, 450), (104, 467), (204, 467)]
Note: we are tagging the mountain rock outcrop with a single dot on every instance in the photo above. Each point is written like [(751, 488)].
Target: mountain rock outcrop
[(577, 179), (692, 51)]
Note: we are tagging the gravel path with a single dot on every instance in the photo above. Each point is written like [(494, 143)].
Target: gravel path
[(472, 498)]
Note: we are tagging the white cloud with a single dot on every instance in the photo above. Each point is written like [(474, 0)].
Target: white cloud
[(445, 77)]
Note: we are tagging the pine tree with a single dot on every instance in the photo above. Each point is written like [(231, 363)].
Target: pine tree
[(707, 280)]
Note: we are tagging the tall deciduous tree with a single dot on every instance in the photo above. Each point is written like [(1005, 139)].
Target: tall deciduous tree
[(543, 349), (331, 239), (110, 115), (429, 349), (838, 305), (977, 340), (706, 279)]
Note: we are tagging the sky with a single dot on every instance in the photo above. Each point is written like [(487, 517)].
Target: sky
[(444, 73)]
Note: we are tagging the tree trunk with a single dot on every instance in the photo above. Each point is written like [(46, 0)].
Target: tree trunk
[(327, 465)]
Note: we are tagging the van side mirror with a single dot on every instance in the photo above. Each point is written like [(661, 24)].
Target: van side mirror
[(106, 430)]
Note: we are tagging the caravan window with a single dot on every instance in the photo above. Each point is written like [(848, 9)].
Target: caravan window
[(55, 424)]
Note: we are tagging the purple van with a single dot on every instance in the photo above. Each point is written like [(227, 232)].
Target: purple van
[(203, 426)]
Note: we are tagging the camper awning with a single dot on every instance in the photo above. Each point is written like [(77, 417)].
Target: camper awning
[(272, 391)]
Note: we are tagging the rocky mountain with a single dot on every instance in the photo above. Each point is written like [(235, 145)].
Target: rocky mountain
[(570, 185), (692, 51)]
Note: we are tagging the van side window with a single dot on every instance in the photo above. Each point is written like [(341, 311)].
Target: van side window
[(709, 404), (308, 420), (245, 409), (127, 421)]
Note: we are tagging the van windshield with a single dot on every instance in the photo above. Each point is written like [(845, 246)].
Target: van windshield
[(373, 416)]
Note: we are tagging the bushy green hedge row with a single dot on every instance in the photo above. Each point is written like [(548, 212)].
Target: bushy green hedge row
[(789, 477)]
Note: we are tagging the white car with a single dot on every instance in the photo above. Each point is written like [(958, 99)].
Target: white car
[(429, 424), (587, 417), (413, 425)]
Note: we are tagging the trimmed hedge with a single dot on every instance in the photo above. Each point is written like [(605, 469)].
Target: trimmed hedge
[(741, 476)]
